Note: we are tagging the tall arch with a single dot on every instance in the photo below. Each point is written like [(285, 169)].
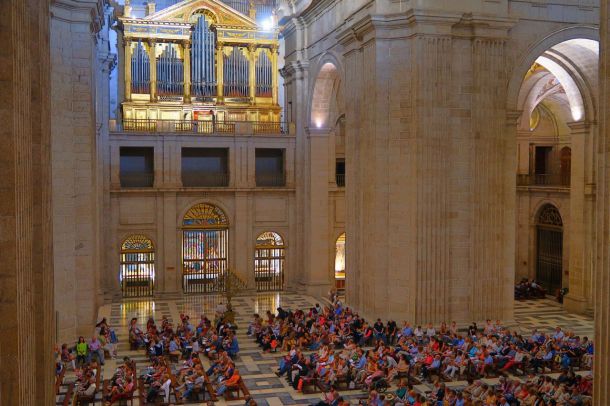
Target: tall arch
[(549, 248), (326, 93), (340, 262), (205, 249)]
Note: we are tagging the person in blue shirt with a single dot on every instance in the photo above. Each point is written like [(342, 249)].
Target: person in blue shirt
[(233, 349)]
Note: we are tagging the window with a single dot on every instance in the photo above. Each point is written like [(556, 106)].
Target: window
[(543, 155), (137, 167), (205, 167), (270, 167), (340, 172)]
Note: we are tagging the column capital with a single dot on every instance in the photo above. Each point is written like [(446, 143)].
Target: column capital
[(151, 41), (252, 47), (186, 43), (578, 127)]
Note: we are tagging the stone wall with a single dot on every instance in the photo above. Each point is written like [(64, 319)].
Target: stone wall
[(77, 128)]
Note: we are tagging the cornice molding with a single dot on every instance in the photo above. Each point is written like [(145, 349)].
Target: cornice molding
[(91, 11)]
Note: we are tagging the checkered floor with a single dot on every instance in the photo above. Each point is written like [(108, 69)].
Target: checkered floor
[(258, 368)]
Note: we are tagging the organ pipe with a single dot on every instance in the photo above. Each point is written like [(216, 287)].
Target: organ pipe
[(203, 70), (236, 75), (264, 78), (170, 72), (140, 69)]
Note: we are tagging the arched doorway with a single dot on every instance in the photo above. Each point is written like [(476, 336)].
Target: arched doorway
[(137, 266), (205, 249), (269, 258), (340, 263), (549, 249)]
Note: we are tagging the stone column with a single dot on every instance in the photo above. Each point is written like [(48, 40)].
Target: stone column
[(575, 300), (430, 205), (220, 59), (186, 49), (27, 332), (152, 58), (317, 231), (601, 272), (252, 72), (127, 62), (274, 73)]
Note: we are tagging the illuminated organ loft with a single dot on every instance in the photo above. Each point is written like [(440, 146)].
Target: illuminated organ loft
[(198, 56)]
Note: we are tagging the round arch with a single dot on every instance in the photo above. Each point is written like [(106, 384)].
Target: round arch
[(269, 261), (205, 248), (549, 248), (529, 57), (137, 266), (327, 83), (340, 242)]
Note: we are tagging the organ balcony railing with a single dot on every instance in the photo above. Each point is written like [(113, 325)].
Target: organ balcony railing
[(550, 180), (200, 127)]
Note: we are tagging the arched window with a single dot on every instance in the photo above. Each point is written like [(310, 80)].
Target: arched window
[(205, 249), (340, 262), (269, 258), (549, 249), (137, 268)]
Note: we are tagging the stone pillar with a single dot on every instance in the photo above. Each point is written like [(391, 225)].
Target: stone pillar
[(152, 58), (429, 215), (601, 273), (317, 231), (27, 332), (252, 72), (220, 59), (274, 73), (186, 49), (242, 240), (575, 300), (127, 62)]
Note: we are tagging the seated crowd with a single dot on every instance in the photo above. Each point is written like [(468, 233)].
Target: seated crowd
[(333, 346), (527, 289), (183, 345), (85, 359)]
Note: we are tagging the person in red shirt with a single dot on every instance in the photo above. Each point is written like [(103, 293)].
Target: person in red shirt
[(231, 382)]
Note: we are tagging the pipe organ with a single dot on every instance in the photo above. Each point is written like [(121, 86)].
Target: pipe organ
[(197, 56)]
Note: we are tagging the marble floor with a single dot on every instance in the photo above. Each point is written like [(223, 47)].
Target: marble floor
[(258, 368)]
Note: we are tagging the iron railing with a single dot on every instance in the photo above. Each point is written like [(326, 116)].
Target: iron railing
[(136, 125), (543, 180), (203, 179), (340, 179), (137, 179), (270, 179)]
